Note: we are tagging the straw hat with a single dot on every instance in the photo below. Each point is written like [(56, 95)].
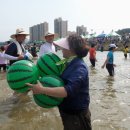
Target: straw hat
[(49, 34), (19, 31)]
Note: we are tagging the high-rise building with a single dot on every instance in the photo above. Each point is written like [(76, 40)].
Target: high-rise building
[(81, 30), (38, 31), (61, 27)]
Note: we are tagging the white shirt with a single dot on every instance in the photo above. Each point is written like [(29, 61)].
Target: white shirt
[(46, 48), (4, 57)]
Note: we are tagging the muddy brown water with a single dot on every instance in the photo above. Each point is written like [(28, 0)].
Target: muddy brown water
[(110, 101)]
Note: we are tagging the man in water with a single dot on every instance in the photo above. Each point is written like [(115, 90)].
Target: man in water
[(48, 46), (16, 48)]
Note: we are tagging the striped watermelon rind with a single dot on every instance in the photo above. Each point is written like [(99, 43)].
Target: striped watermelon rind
[(47, 101), (20, 73), (46, 65)]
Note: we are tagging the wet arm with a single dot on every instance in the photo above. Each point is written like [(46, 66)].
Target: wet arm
[(55, 92), (105, 62)]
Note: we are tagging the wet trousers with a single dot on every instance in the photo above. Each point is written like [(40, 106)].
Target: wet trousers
[(76, 121), (92, 62), (110, 69)]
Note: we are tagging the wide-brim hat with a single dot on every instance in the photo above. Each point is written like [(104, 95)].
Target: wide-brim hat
[(63, 43), (19, 31), (49, 34)]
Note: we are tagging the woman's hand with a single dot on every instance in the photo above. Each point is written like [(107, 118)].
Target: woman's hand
[(36, 88)]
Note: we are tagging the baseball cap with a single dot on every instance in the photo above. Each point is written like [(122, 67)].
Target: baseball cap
[(113, 46)]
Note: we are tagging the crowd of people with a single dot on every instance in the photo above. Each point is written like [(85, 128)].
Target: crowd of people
[(74, 109), (118, 40)]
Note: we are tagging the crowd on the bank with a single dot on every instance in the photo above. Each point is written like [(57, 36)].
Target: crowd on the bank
[(124, 39)]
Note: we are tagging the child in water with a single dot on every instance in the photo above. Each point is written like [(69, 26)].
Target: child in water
[(109, 62)]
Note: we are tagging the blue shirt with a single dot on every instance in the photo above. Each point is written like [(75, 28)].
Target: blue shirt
[(110, 57), (76, 80)]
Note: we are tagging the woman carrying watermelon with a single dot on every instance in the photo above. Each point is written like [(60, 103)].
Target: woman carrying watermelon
[(74, 109)]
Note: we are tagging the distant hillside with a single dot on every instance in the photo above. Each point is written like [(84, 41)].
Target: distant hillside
[(123, 31)]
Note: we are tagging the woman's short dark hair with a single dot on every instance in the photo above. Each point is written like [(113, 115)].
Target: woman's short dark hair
[(78, 45)]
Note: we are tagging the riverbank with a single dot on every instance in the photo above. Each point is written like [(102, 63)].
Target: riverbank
[(106, 47)]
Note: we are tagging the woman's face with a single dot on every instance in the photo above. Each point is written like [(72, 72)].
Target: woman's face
[(67, 53)]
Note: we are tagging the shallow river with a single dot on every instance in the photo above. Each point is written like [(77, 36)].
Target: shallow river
[(110, 101)]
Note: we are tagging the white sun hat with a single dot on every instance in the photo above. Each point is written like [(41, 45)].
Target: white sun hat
[(63, 43), (19, 31)]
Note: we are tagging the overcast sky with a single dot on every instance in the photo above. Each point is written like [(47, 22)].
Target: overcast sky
[(98, 15)]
